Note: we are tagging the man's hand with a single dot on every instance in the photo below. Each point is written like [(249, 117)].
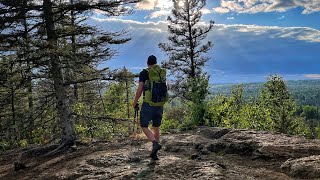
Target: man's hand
[(135, 105)]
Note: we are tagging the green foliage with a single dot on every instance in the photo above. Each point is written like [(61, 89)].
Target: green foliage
[(101, 130), (79, 108), (310, 115), (254, 116), (4, 145), (82, 130), (273, 111), (118, 96), (23, 143), (115, 100), (310, 112), (173, 118), (95, 115), (188, 124), (168, 125), (236, 102), (276, 99), (300, 127), (303, 92), (198, 90), (216, 110), (39, 135), (233, 112)]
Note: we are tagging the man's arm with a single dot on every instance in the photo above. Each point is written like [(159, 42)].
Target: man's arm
[(138, 94)]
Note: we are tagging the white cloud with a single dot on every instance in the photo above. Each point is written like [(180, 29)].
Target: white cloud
[(255, 6), (206, 11), (159, 7), (160, 13), (312, 76), (221, 10), (147, 4), (230, 18), (160, 26), (298, 33)]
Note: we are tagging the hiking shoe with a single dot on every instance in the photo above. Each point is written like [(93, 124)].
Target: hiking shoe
[(154, 157), (155, 148)]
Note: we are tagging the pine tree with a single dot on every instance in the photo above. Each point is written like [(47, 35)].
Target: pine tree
[(186, 47), (276, 99)]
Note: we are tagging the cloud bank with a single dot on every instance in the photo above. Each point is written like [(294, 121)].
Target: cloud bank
[(256, 6), (241, 53), (298, 33), (161, 8), (312, 76)]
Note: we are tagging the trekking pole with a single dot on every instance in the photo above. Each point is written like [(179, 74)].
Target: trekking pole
[(138, 123), (133, 125), (135, 122)]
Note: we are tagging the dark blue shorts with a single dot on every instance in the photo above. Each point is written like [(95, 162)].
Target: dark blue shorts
[(149, 113)]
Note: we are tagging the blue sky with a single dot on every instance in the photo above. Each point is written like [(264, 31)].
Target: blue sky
[(252, 38)]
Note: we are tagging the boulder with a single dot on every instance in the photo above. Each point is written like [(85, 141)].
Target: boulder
[(306, 168)]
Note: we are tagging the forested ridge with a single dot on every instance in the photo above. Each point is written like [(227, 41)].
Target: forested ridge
[(304, 92)]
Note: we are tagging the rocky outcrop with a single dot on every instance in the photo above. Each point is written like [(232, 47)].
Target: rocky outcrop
[(254, 145), (307, 167), (205, 153)]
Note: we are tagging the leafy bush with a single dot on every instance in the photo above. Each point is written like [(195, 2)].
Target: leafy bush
[(23, 143), (169, 125), (38, 135), (173, 118), (4, 145), (198, 91)]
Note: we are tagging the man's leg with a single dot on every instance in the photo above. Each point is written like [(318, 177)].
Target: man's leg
[(145, 117), (155, 145), (156, 133), (146, 114), (156, 123), (148, 133)]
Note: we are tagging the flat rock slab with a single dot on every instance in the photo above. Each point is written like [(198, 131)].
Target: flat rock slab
[(307, 167)]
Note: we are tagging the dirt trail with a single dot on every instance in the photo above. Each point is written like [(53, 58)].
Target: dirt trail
[(189, 155)]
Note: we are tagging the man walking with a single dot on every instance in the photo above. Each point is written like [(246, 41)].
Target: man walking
[(152, 83)]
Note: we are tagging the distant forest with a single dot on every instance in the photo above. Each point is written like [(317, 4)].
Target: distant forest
[(304, 92)]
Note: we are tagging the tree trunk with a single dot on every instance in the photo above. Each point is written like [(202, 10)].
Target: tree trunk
[(29, 74), (30, 101), (74, 50), (13, 108), (64, 112), (192, 65)]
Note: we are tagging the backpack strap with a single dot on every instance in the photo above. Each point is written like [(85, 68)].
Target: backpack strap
[(155, 69)]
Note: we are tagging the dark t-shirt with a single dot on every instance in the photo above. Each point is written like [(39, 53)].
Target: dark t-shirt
[(143, 76)]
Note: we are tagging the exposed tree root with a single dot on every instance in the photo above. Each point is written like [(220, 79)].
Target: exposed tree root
[(47, 151), (29, 153), (63, 147)]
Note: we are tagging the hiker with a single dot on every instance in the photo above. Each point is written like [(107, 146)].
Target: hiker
[(152, 83)]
